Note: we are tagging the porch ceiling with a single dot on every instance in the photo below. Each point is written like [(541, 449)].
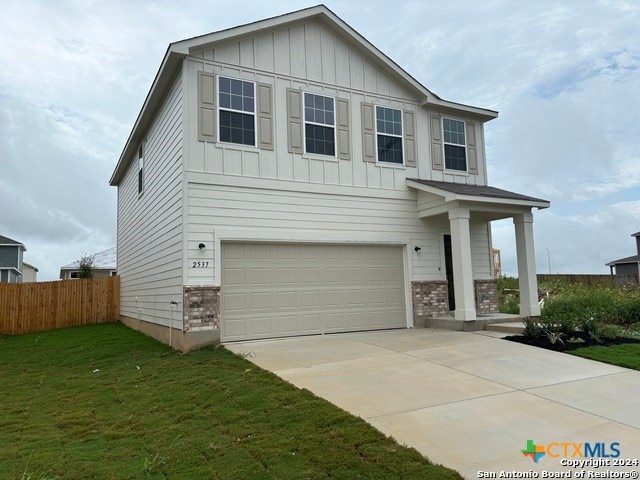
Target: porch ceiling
[(436, 198)]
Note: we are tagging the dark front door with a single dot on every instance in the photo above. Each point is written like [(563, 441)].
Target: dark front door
[(448, 264)]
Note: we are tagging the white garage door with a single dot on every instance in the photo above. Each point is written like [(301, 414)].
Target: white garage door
[(280, 290)]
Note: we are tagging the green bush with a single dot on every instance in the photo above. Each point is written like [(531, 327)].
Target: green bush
[(532, 328), (590, 306)]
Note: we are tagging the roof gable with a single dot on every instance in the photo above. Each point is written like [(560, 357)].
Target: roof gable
[(8, 242), (177, 51)]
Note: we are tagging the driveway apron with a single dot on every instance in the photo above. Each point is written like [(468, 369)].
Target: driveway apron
[(469, 401)]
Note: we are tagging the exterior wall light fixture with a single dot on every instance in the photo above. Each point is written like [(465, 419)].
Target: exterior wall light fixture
[(202, 247)]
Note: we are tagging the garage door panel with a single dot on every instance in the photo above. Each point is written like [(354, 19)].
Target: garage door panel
[(335, 321), (286, 275), (272, 290), (356, 297), (309, 274), (356, 320), (260, 301), (287, 324), (286, 299), (333, 274), (260, 276), (261, 326), (312, 323), (394, 274), (233, 301), (353, 274), (310, 298)]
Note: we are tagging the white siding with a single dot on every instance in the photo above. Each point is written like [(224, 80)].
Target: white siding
[(220, 211), (150, 225), (480, 248)]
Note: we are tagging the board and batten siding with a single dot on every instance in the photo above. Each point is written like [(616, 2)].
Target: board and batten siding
[(313, 58), (150, 225)]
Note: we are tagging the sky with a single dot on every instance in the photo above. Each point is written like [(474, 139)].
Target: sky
[(564, 75)]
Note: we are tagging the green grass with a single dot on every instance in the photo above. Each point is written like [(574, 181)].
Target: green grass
[(107, 402), (625, 355)]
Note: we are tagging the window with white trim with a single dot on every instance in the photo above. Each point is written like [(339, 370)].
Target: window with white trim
[(237, 107), (389, 135), (140, 168), (319, 124), (455, 155)]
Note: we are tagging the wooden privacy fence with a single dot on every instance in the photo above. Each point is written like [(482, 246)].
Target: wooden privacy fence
[(34, 307), (584, 279)]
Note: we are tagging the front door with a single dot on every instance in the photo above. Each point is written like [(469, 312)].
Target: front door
[(448, 263)]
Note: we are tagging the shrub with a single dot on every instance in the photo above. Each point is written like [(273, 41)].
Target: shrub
[(532, 328)]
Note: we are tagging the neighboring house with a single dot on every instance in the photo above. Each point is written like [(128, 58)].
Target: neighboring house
[(11, 264), (627, 269), (104, 265), (285, 177), (29, 273)]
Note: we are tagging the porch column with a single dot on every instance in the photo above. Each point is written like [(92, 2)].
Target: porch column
[(526, 265), (462, 264)]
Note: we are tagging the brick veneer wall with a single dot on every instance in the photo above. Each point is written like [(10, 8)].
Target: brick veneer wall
[(430, 298), (201, 308), (487, 299)]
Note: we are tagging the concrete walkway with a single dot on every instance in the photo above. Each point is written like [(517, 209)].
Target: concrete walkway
[(465, 400)]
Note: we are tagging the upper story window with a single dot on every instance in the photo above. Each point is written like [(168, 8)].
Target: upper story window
[(455, 157), (389, 134), (140, 168), (237, 107), (319, 124)]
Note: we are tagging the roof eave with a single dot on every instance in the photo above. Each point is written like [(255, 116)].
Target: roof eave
[(445, 105), (172, 59), (452, 197)]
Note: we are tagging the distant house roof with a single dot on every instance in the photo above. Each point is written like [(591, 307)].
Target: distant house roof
[(633, 259), (25, 264), (8, 242), (105, 260)]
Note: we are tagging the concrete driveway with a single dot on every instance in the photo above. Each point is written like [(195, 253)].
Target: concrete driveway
[(466, 400)]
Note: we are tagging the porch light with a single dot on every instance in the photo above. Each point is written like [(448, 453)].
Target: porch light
[(417, 249), (202, 247)]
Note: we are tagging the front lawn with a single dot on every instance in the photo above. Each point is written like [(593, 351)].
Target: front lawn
[(106, 402), (625, 355)]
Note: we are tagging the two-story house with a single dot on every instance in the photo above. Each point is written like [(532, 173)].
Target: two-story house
[(11, 264), (285, 177)]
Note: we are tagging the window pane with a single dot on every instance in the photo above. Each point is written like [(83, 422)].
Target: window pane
[(237, 128), (454, 158), (236, 94), (389, 121), (236, 102), (225, 100), (225, 84), (453, 131), (319, 109), (389, 149), (319, 140)]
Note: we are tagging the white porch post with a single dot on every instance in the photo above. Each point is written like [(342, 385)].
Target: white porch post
[(526, 265), (462, 264)]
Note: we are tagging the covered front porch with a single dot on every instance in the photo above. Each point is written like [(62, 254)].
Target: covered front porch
[(459, 203)]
